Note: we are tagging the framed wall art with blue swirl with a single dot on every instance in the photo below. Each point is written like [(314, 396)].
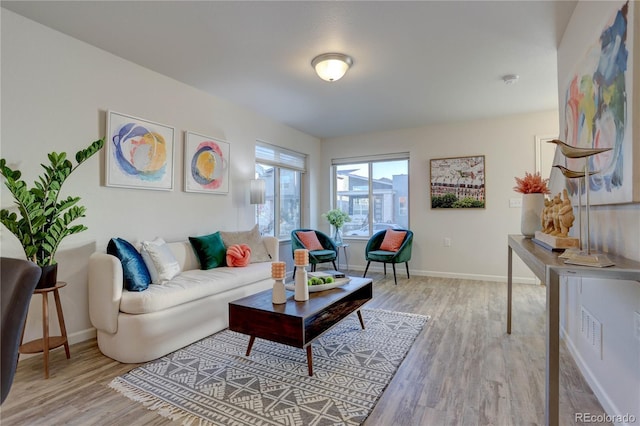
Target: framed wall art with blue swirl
[(139, 153), (206, 164)]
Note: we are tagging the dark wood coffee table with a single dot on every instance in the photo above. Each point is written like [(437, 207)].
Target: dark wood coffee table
[(294, 323)]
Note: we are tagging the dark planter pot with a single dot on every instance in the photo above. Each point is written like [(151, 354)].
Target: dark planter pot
[(49, 276)]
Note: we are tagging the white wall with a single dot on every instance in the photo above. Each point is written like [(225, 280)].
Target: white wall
[(479, 236), (614, 377), (55, 93)]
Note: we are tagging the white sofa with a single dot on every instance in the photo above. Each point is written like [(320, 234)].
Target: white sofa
[(135, 327)]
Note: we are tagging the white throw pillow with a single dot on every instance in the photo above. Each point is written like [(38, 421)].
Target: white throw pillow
[(160, 261)]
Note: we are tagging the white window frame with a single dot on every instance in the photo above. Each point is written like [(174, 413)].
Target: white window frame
[(281, 159), (369, 160)]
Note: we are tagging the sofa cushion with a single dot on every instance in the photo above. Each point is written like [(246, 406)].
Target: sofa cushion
[(210, 250), (160, 261), (135, 273), (252, 238), (192, 285)]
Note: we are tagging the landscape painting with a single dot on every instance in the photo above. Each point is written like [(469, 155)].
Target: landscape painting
[(457, 182)]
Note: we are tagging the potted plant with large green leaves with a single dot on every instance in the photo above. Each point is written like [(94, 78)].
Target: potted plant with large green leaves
[(43, 218)]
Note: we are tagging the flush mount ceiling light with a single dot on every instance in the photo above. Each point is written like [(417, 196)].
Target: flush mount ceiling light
[(331, 66), (510, 79)]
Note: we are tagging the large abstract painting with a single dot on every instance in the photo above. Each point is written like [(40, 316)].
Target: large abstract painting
[(139, 153), (598, 111), (206, 164)]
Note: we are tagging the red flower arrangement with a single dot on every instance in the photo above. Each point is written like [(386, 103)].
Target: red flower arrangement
[(532, 184)]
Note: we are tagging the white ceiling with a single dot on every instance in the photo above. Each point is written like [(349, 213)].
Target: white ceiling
[(415, 63)]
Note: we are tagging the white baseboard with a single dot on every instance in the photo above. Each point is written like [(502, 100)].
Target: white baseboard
[(401, 271), (81, 336)]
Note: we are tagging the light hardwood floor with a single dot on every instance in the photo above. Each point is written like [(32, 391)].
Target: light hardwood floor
[(462, 370)]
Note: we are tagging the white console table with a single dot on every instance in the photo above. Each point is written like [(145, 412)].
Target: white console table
[(548, 268)]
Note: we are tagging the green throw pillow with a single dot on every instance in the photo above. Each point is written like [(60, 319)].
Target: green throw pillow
[(210, 250)]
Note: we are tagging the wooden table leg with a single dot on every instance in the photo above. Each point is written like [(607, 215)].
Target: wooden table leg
[(552, 370), (251, 340), (45, 333), (509, 288), (360, 318), (63, 329), (310, 360)]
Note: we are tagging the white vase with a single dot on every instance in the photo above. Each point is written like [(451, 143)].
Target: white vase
[(531, 220), (279, 295), (301, 289)]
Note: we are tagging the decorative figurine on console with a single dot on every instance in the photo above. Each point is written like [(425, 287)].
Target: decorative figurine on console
[(557, 220), (547, 217), (565, 215), (582, 254)]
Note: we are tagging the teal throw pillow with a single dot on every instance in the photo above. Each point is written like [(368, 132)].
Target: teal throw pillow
[(135, 273), (210, 250)]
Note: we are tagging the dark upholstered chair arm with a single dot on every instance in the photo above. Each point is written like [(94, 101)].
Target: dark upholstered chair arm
[(404, 252), (19, 279), (375, 241)]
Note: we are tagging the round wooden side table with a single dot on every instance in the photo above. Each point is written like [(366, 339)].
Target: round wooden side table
[(46, 343)]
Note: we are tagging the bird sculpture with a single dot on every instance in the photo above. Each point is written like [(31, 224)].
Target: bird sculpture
[(570, 174), (577, 152)]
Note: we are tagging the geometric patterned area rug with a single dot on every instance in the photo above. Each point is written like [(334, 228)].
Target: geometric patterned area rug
[(212, 382)]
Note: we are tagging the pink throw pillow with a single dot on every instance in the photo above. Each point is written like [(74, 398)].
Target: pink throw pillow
[(392, 240), (238, 255), (309, 240)]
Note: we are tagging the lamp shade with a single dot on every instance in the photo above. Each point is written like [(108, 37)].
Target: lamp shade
[(331, 66), (257, 191)]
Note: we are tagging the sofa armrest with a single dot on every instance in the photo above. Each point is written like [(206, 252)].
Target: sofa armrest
[(273, 247), (105, 291)]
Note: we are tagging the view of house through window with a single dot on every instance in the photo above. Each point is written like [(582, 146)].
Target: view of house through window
[(375, 193), (282, 172)]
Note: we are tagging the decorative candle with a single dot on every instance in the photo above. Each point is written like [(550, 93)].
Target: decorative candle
[(278, 270), (301, 257)]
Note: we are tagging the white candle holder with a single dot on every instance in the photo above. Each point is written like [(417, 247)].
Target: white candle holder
[(301, 260), (279, 295)]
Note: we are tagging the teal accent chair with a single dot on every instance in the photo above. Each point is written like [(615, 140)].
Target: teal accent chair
[(329, 253), (374, 254)]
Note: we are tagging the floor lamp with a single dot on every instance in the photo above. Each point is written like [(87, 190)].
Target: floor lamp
[(257, 194)]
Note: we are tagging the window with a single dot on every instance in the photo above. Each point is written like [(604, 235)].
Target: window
[(282, 171), (374, 191)]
